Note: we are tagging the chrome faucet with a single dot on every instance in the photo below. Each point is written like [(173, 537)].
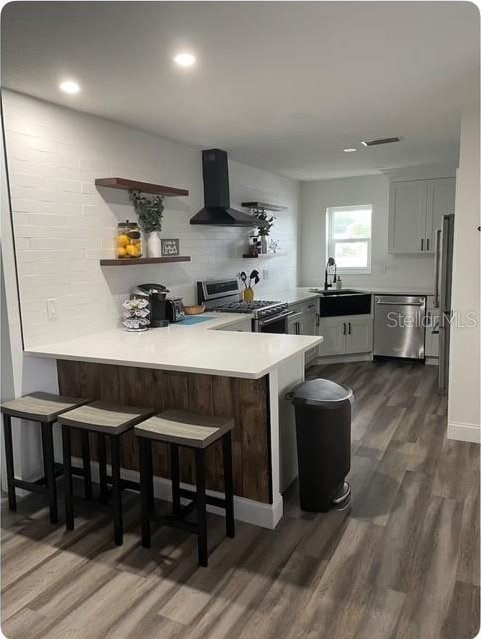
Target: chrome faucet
[(330, 262)]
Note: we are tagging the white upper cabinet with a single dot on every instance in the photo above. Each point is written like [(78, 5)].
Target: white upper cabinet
[(441, 196), (407, 216), (415, 211)]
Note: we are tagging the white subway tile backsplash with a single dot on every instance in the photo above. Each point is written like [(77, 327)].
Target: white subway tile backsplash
[(40, 206), (63, 225)]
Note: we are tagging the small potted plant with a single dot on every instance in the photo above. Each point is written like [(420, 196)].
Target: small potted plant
[(267, 221), (150, 211)]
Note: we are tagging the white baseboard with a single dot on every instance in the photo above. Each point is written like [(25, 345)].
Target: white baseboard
[(464, 432), (339, 359), (247, 510)]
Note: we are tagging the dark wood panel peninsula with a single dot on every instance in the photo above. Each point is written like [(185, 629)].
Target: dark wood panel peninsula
[(245, 400)]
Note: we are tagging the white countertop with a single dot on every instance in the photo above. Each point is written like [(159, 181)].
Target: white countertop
[(396, 290), (198, 348)]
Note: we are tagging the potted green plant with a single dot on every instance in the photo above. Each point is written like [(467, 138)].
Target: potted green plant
[(267, 221), (150, 211)]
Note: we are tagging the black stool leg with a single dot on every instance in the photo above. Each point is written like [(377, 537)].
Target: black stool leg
[(175, 477), (146, 480), (7, 431), (228, 485), (67, 469), (101, 445), (116, 489), (150, 484), (49, 470), (86, 464), (201, 506)]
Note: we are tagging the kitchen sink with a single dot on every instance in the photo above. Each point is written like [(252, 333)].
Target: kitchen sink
[(337, 303), (335, 292)]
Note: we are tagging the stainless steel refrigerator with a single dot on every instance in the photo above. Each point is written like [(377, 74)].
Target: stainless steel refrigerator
[(442, 295)]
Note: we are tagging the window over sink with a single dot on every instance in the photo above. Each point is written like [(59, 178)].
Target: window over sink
[(349, 237)]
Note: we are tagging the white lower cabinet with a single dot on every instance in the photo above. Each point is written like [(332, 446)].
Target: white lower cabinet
[(345, 335), (305, 321), (359, 334), (333, 330), (310, 327)]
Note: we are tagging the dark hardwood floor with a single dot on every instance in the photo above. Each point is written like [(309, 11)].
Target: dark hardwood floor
[(401, 563)]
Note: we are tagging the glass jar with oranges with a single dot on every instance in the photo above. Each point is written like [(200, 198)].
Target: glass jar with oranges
[(129, 240)]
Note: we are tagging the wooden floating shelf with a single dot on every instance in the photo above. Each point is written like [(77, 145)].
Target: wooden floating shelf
[(264, 206), (263, 255), (134, 185), (133, 261)]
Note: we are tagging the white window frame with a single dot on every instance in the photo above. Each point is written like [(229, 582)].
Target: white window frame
[(331, 242)]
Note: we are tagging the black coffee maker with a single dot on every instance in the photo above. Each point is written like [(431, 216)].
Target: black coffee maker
[(156, 295)]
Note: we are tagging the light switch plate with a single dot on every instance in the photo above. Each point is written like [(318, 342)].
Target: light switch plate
[(51, 308)]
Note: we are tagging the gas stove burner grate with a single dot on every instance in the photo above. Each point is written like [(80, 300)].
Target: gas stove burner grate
[(242, 307)]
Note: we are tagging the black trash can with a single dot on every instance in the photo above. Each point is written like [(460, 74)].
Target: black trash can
[(323, 427)]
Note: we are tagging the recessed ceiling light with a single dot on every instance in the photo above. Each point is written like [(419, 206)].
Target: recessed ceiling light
[(69, 86), (185, 59), (350, 150)]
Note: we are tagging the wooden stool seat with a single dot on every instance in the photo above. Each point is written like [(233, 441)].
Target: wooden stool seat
[(44, 408), (178, 428), (108, 422), (105, 418), (40, 407), (185, 429)]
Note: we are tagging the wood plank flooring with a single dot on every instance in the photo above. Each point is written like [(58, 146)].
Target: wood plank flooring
[(402, 562)]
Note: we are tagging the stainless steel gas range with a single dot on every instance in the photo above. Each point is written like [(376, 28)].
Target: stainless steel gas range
[(224, 296)]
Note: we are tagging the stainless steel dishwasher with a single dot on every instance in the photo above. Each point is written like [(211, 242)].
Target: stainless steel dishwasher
[(399, 326)]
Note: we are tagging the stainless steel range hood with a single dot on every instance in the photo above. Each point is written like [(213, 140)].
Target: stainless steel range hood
[(217, 210)]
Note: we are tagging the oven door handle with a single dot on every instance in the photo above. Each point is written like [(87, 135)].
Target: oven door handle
[(293, 314), (276, 318)]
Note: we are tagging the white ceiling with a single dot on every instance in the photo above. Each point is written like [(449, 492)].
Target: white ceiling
[(281, 86)]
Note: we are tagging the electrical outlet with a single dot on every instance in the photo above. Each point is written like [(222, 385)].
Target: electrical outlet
[(51, 309), (265, 273)]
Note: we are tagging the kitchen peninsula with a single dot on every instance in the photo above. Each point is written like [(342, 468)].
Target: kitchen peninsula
[(207, 368)]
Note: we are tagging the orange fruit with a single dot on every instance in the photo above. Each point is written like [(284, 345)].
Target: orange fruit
[(121, 252), (133, 251), (122, 240)]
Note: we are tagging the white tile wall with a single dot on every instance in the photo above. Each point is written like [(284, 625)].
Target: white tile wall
[(63, 225)]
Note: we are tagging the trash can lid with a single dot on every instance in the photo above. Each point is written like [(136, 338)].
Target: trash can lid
[(323, 393)]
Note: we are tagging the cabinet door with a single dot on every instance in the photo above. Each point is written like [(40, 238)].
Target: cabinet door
[(309, 324), (407, 216), (359, 334), (292, 327), (333, 330), (310, 327), (440, 201)]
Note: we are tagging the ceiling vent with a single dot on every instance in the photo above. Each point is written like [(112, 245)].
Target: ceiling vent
[(380, 141)]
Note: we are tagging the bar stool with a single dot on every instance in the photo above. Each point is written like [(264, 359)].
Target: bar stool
[(43, 408), (107, 421), (177, 428)]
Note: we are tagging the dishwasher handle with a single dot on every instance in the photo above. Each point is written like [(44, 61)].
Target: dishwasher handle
[(382, 303)]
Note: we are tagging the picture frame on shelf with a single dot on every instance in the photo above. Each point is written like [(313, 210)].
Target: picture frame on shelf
[(169, 247)]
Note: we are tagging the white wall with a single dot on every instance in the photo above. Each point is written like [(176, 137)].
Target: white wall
[(387, 270), (464, 381), (63, 225)]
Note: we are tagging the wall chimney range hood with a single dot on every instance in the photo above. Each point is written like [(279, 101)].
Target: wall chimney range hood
[(217, 210)]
